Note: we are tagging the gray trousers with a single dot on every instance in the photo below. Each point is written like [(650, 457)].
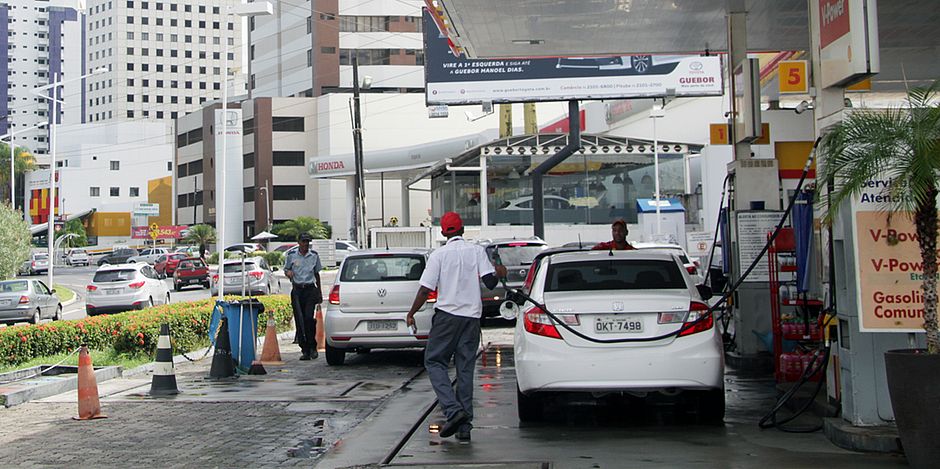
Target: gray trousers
[(458, 337)]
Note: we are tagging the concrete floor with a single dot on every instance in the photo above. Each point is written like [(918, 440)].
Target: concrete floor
[(584, 434)]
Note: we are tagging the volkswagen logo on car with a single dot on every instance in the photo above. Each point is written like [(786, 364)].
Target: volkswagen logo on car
[(381, 292)]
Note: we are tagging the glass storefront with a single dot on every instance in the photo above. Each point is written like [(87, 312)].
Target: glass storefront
[(583, 189)]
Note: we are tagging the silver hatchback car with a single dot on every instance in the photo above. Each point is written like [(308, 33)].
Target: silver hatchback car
[(254, 277), (28, 300), (370, 299)]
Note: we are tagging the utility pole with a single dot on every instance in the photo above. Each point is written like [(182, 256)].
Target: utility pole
[(359, 214)]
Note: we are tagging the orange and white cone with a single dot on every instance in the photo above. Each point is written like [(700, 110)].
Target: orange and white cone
[(88, 405), (271, 352), (321, 330)]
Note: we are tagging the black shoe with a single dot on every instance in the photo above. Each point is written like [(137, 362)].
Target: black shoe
[(314, 354), (305, 356), (454, 424), (463, 435)]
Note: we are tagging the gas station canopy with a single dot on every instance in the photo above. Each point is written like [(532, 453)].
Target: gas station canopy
[(909, 44)]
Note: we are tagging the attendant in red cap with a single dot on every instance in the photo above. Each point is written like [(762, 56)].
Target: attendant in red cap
[(455, 271), (619, 231)]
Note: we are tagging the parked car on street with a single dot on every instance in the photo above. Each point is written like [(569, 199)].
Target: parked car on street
[(606, 295), (342, 249), (256, 278), (285, 247), (77, 256), (119, 256), (123, 287), (28, 300), (166, 265), (149, 255), (246, 248), (38, 263), (190, 271), (517, 256), (370, 299)]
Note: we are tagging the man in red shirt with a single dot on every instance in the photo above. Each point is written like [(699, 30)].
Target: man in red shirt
[(619, 231)]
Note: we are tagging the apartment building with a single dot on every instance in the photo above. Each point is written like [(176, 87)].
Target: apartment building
[(39, 40), (306, 48), (165, 57)]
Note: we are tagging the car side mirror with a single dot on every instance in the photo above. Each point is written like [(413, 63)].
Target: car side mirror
[(704, 291), (52, 291)]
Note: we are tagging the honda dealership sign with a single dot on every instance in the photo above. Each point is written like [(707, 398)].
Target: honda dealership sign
[(454, 79)]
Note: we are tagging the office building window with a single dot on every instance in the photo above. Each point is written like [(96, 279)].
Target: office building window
[(288, 158), (248, 160), (289, 192), (94, 191), (249, 194), (116, 192), (135, 192)]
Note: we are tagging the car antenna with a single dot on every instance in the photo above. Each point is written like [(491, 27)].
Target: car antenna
[(580, 246), (386, 243)]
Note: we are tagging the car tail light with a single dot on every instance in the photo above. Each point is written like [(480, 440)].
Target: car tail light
[(91, 288), (340, 338), (432, 296), (691, 269), (256, 274), (538, 323), (696, 310), (34, 263), (334, 295), (24, 300), (136, 285)]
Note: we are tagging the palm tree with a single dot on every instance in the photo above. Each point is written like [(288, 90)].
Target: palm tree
[(901, 145), (292, 228), (23, 162), (201, 235)]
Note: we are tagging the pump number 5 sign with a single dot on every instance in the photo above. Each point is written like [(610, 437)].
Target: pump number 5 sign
[(793, 77)]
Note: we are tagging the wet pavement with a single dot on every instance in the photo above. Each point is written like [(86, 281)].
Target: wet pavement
[(378, 408)]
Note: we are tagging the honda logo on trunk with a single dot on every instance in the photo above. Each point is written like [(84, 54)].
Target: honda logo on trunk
[(382, 292)]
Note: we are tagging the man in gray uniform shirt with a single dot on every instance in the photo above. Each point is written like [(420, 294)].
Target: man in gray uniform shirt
[(303, 268), (455, 270)]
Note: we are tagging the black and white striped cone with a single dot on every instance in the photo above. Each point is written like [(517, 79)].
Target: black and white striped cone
[(164, 378), (223, 365)]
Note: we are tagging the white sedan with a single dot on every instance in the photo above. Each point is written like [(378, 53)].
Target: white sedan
[(633, 319), (123, 287)]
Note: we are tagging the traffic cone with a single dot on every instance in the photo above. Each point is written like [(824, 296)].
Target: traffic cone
[(271, 353), (223, 365), (164, 378), (88, 405), (321, 333)]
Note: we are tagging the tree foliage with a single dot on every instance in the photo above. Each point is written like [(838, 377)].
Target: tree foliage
[(14, 241), (77, 228), (24, 162), (901, 146), (202, 236), (291, 229)]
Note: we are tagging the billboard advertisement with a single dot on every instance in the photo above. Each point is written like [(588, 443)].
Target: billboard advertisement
[(847, 34), (454, 80), (162, 232)]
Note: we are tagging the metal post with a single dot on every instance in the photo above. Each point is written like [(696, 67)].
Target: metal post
[(195, 191), (50, 222), (484, 196), (220, 184), (659, 222), (574, 143), (13, 168), (360, 209)]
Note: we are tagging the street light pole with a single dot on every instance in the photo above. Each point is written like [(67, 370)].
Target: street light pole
[(657, 113)]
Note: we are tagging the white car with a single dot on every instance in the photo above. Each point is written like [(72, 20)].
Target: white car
[(343, 248), (370, 300), (254, 276), (149, 256), (246, 248), (643, 296), (692, 267), (77, 256), (123, 287)]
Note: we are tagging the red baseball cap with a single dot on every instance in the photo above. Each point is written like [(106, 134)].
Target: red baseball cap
[(451, 223)]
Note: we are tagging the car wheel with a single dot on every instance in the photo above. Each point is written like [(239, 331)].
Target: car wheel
[(530, 407), (150, 302), (37, 317), (131, 262), (335, 356), (710, 406), (58, 313), (205, 285), (103, 262), (641, 63), (167, 299), (177, 286)]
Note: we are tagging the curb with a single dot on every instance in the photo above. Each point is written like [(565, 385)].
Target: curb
[(73, 300), (45, 389)]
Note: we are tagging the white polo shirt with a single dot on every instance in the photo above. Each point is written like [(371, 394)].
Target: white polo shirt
[(454, 270)]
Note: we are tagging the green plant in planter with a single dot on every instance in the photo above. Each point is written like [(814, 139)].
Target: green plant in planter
[(901, 146)]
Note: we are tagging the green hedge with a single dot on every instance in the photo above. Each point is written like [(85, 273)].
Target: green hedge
[(133, 332)]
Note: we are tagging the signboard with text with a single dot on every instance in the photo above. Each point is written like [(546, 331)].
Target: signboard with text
[(454, 79), (847, 34), (752, 229), (161, 232), (888, 269), (793, 76), (143, 209)]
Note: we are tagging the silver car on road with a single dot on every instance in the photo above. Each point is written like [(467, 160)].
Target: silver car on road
[(370, 299), (28, 300), (123, 287), (254, 276)]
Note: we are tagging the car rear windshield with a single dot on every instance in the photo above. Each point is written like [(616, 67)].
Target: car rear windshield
[(41, 257), (520, 253), (122, 275), (237, 267), (382, 267), (10, 287), (634, 274), (191, 265)]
